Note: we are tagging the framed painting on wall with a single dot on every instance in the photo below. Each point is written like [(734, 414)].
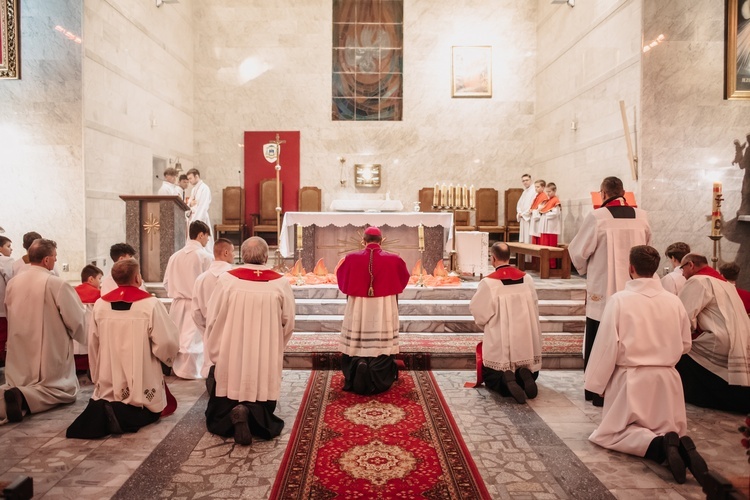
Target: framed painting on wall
[(472, 72), (10, 52), (738, 49)]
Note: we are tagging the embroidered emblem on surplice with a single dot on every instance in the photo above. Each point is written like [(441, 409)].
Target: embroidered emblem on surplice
[(125, 393), (149, 394)]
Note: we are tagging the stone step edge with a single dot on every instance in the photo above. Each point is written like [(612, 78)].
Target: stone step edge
[(435, 318), (460, 302)]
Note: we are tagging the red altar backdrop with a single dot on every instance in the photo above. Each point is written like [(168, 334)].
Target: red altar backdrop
[(257, 169)]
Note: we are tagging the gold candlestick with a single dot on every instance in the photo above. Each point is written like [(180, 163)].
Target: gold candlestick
[(420, 230), (420, 281)]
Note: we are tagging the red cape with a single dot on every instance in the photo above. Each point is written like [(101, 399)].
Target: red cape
[(246, 274), (390, 275), (507, 273), (126, 294), (710, 271), (88, 293)]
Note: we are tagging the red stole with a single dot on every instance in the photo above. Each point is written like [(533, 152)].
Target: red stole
[(507, 273), (540, 197), (710, 271), (247, 274), (549, 204), (126, 294), (88, 293)]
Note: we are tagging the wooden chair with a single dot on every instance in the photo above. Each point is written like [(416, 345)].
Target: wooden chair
[(265, 220), (487, 212), (462, 220), (232, 213), (512, 226), (425, 199), (310, 199)]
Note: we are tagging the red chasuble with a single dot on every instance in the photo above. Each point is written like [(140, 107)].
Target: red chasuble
[(88, 293), (247, 274), (389, 273), (126, 294)]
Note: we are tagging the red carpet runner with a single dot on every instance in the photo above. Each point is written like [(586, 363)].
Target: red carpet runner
[(403, 443)]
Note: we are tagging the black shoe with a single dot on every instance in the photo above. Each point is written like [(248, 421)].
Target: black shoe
[(528, 382), (597, 401), (588, 395), (362, 378), (693, 459), (674, 460), (14, 404), (113, 425), (238, 415), (509, 378)]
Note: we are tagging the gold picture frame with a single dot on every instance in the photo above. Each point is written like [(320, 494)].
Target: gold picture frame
[(471, 71), (738, 50), (10, 52), (367, 175)]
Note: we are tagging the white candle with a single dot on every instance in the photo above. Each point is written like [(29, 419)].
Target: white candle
[(444, 195), (472, 197), (716, 210), (299, 236), (421, 237), (436, 195)]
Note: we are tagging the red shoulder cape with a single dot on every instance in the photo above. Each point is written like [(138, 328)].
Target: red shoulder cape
[(246, 274), (126, 294), (88, 293), (507, 273)]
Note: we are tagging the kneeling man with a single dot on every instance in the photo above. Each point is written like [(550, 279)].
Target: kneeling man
[(505, 306), (643, 332), (249, 321), (129, 337)]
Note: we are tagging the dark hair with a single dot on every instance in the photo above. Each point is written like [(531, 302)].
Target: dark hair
[(194, 171), (197, 227), (730, 271), (220, 244), (372, 238), (183, 177), (500, 251), (524, 176), (540, 181), (645, 259), (612, 186), (90, 271), (170, 171), (677, 250), (121, 250), (29, 238), (697, 259), (125, 271), (552, 186), (40, 249), (4, 240)]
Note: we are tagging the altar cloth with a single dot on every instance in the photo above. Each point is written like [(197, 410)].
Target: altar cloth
[(366, 206)]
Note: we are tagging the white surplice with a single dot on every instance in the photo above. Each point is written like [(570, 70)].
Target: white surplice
[(714, 307), (169, 189), (248, 325), (674, 281), (204, 287), (125, 350), (551, 222), (183, 269), (6, 273), (523, 213), (643, 333), (601, 251), (45, 315), (509, 316), (201, 194), (21, 265)]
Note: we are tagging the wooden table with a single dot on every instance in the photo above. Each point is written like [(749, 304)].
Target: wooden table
[(545, 253)]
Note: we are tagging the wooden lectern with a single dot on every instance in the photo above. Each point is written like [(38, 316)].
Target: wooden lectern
[(156, 227)]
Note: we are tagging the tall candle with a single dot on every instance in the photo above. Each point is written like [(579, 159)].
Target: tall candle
[(716, 210), (444, 196), (436, 195), (421, 237), (472, 197), (299, 236), (465, 196)]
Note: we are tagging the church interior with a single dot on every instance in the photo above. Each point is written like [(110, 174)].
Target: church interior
[(109, 93)]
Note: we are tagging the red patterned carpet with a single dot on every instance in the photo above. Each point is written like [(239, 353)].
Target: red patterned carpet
[(402, 444)]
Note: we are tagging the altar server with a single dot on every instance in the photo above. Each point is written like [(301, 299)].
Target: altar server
[(200, 202), (23, 262), (45, 315), (117, 252), (601, 250), (643, 333), (88, 291), (523, 208), (204, 287), (6, 273), (536, 216), (716, 371), (674, 281), (183, 269), (505, 306), (550, 225), (249, 322), (371, 278), (169, 185), (130, 336)]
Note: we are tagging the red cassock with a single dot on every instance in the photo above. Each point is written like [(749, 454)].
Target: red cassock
[(389, 273)]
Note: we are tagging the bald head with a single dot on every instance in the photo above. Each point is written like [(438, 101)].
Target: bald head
[(692, 263), (224, 250), (254, 251), (500, 254)]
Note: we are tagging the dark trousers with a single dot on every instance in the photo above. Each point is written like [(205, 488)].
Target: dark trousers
[(493, 380), (706, 389), (382, 372), (93, 423), (592, 327), (261, 420)]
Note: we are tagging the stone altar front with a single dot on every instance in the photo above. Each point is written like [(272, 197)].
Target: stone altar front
[(334, 234)]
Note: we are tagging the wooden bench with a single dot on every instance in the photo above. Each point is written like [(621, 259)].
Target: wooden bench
[(545, 253)]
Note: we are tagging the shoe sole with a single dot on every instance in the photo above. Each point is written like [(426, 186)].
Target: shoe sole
[(113, 425), (515, 390), (529, 384), (695, 462), (13, 404), (242, 435), (674, 460), (360, 378)]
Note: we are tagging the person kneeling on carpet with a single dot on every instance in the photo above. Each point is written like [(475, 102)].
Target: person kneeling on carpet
[(249, 321), (129, 337), (505, 306), (372, 279)]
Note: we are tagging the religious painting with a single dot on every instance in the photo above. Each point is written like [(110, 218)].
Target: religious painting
[(367, 76), (738, 49), (472, 72), (10, 52), (367, 175)]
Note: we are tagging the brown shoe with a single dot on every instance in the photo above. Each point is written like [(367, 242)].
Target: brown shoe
[(693, 459), (14, 404), (674, 460)]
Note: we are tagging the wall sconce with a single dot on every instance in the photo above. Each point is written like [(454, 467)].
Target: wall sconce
[(572, 3), (342, 181)]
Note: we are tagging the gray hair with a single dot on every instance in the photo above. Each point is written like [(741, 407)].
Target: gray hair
[(254, 250), (40, 249)]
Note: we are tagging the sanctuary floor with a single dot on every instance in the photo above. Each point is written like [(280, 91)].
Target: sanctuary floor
[(534, 451)]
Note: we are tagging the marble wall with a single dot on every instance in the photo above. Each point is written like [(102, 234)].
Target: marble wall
[(267, 66), (688, 128), (138, 75), (40, 134), (588, 60)]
